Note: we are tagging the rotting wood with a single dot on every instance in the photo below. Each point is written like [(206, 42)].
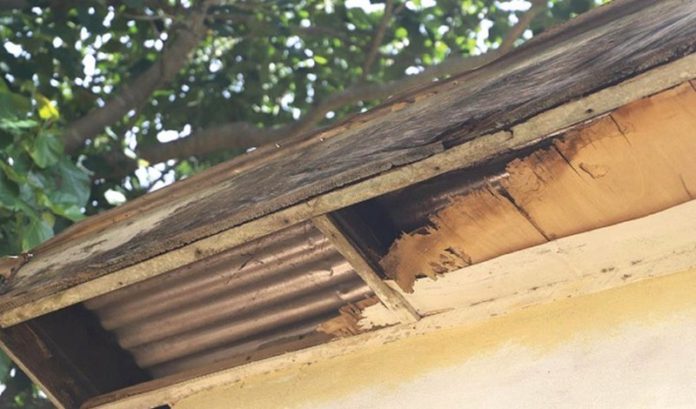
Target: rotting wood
[(543, 75), (668, 244), (52, 297), (346, 324), (652, 246), (391, 299), (635, 161), (473, 228)]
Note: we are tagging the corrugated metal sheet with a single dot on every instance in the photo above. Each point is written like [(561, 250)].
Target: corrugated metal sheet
[(261, 293)]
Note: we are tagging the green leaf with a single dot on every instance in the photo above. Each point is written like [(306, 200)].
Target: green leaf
[(9, 194), (13, 106), (72, 212), (14, 172), (401, 33), (48, 218), (35, 233), (46, 150), (72, 186), (5, 366), (17, 126), (320, 60)]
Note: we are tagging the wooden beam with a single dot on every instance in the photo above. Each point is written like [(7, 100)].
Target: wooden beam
[(362, 266), (628, 164), (625, 253), (654, 246), (461, 156)]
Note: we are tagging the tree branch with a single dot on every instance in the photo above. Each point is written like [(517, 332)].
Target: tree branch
[(6, 5), (256, 26), (135, 93), (241, 135), (516, 31), (377, 38)]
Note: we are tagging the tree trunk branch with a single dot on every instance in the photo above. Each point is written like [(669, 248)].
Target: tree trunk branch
[(377, 38), (6, 5), (134, 94)]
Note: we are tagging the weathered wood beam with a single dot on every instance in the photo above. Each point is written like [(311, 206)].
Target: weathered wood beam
[(598, 260), (546, 124), (362, 266), (628, 164)]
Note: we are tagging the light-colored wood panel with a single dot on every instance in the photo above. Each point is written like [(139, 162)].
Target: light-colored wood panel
[(663, 128), (473, 228), (631, 163), (588, 262)]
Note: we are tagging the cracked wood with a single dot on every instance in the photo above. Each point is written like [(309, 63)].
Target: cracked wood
[(634, 162)]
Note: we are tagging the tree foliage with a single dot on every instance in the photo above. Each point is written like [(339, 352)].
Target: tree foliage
[(102, 100)]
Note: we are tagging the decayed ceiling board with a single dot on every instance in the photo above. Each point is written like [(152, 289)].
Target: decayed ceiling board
[(556, 68), (633, 162), (641, 249)]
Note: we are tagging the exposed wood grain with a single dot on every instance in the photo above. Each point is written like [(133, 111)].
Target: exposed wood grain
[(566, 65), (671, 232), (347, 323), (636, 161), (659, 244), (471, 229), (391, 299)]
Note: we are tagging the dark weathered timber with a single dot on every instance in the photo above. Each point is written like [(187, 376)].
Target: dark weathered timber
[(72, 355), (607, 46)]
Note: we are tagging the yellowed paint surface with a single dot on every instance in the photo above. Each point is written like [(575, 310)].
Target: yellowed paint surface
[(633, 346)]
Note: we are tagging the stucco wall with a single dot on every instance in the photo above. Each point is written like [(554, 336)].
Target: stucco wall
[(630, 347)]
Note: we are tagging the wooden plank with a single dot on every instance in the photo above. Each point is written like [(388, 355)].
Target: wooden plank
[(589, 262), (633, 162), (345, 245), (671, 231), (70, 356), (563, 66), (471, 229), (72, 289)]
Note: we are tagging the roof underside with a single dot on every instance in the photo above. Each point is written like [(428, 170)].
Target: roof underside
[(290, 247), (606, 46)]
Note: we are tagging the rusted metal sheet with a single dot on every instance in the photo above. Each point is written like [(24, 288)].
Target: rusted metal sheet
[(258, 294)]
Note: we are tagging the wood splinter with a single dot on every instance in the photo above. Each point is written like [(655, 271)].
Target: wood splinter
[(390, 298)]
